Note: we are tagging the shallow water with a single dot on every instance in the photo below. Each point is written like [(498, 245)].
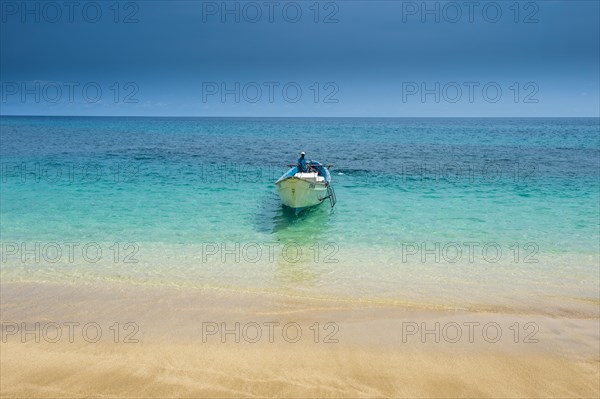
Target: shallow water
[(441, 211)]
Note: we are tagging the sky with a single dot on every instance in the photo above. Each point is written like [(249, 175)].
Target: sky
[(300, 58)]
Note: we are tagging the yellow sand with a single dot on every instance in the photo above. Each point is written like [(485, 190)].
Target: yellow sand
[(370, 358), (171, 370)]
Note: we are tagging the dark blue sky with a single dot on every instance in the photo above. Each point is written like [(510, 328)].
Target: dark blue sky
[(344, 58)]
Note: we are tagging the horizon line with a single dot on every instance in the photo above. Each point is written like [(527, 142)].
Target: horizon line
[(297, 117)]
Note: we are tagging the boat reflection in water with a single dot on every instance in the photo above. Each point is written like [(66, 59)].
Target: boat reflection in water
[(301, 242)]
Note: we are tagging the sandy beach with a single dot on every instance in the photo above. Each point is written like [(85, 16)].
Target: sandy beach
[(189, 343)]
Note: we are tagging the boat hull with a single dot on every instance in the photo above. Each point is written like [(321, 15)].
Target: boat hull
[(298, 194)]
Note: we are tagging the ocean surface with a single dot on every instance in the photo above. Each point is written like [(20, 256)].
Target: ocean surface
[(431, 212)]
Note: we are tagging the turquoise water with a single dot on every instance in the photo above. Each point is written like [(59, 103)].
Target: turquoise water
[(177, 190)]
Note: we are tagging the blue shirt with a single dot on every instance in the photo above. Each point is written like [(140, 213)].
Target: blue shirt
[(302, 165)]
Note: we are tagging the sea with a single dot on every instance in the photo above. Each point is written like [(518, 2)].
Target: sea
[(435, 213)]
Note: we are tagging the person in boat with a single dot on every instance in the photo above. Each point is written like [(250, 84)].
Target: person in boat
[(302, 166)]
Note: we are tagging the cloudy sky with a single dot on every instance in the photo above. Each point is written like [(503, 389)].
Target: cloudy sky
[(302, 58)]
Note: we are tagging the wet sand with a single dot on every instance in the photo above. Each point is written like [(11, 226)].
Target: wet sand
[(121, 340)]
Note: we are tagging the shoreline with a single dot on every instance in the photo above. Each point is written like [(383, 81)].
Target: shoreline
[(540, 305)]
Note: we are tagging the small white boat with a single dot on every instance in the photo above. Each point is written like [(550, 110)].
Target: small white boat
[(304, 190)]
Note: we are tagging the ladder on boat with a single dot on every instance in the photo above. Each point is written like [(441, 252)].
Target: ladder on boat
[(331, 195)]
